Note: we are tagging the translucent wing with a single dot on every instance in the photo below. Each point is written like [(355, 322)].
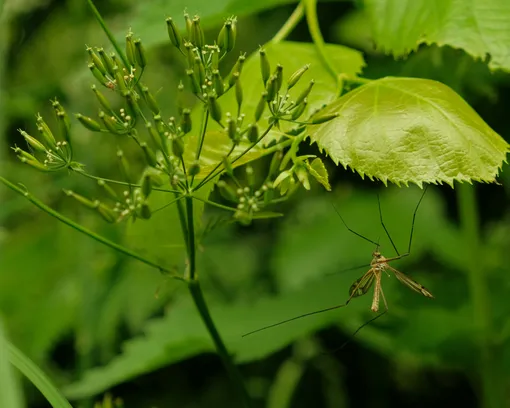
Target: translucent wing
[(362, 285), (411, 283)]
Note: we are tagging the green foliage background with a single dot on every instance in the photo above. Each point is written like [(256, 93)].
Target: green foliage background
[(98, 322)]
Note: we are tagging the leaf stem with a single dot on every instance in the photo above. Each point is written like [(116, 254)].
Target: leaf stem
[(290, 24), (124, 183), (318, 40), (212, 203), (86, 231), (191, 245), (492, 392)]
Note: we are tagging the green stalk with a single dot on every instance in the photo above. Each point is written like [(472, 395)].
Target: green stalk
[(203, 310), (318, 40), (290, 24), (86, 231), (492, 391), (230, 367)]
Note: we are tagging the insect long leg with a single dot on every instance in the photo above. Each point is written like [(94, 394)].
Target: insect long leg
[(414, 218), (384, 226), (354, 232)]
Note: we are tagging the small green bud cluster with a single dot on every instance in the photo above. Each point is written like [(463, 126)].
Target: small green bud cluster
[(46, 153), (280, 105)]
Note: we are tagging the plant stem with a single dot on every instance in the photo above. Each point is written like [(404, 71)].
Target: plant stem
[(230, 367), (191, 244), (290, 24), (492, 392), (86, 231), (318, 40)]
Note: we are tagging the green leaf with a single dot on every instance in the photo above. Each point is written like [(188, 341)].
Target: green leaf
[(406, 130), (37, 377), (318, 170), (11, 395), (479, 27)]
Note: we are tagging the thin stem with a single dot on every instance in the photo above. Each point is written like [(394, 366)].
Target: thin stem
[(205, 120), (210, 175), (212, 203), (124, 183), (290, 24), (191, 238), (318, 40), (230, 367), (86, 231), (492, 391)]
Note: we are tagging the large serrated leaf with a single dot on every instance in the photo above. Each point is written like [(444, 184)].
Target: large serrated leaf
[(407, 130), (480, 27)]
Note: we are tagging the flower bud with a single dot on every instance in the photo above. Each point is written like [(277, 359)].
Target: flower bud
[(186, 121), (260, 106), (197, 34), (173, 33), (88, 123), (130, 49), (33, 142), (140, 57), (305, 93), (214, 108), (296, 76), (253, 133)]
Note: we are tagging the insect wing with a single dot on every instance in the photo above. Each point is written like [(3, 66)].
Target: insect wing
[(362, 285), (411, 283)]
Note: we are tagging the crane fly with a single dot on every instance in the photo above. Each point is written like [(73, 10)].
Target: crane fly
[(372, 277)]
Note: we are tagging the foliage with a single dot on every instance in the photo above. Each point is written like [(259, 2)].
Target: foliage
[(211, 201)]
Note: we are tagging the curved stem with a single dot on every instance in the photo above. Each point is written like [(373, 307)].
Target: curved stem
[(290, 24), (318, 40), (86, 231), (492, 391), (124, 183)]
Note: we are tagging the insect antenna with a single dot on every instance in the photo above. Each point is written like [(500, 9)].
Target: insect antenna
[(354, 232), (295, 318)]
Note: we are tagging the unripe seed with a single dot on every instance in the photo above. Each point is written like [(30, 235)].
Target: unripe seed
[(218, 83), (97, 74), (119, 80), (279, 77), (107, 61), (198, 67), (154, 135), (102, 100), (324, 118), (32, 141), (23, 154), (82, 200), (36, 164), (65, 126), (228, 166), (132, 104), (250, 178), (89, 123), (298, 111), (195, 87), (186, 121), (173, 33), (296, 76), (231, 129), (233, 79), (130, 49), (151, 101), (107, 213), (190, 54), (150, 157), (214, 108), (194, 168), (109, 123), (239, 95), (275, 164), (124, 165), (265, 67), (271, 88), (227, 35), (145, 211), (46, 132), (140, 57), (227, 191), (253, 133), (197, 34), (96, 61), (189, 25), (177, 147), (146, 185), (260, 106), (110, 191), (305, 93)]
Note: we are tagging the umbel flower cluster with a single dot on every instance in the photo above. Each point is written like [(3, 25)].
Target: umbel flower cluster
[(172, 148)]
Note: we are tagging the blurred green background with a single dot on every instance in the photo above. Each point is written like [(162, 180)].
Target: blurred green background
[(71, 304)]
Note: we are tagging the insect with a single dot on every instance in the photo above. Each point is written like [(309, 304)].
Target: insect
[(372, 277)]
